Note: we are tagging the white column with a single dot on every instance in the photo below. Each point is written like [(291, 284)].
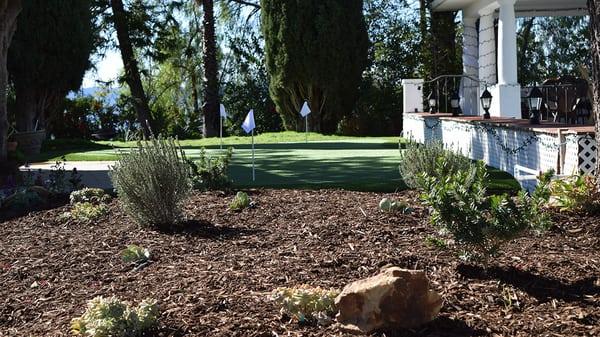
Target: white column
[(412, 95), (469, 88), (507, 43), (487, 47)]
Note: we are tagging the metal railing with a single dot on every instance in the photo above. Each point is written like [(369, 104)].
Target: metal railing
[(445, 86)]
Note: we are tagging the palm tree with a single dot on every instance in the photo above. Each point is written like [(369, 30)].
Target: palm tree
[(210, 109), (594, 9)]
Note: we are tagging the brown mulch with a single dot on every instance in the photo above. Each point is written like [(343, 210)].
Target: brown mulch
[(215, 278)]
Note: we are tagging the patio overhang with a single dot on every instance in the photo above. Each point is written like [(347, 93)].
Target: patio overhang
[(523, 8)]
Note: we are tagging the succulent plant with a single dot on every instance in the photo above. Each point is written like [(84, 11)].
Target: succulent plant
[(305, 303), (87, 211), (135, 254), (93, 195), (240, 201)]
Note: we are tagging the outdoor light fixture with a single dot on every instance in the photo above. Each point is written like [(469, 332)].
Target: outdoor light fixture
[(534, 99), (486, 103), (455, 103), (432, 100)]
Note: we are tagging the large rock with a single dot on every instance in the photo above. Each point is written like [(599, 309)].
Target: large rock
[(395, 298)]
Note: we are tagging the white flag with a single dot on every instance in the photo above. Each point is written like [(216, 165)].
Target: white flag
[(248, 124), (223, 112), (305, 109)]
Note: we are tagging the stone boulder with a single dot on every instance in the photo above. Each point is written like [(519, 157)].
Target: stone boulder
[(394, 299)]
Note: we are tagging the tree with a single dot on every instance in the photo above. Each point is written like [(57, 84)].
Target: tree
[(9, 10), (49, 56), (315, 50), (132, 71), (210, 108), (594, 9)]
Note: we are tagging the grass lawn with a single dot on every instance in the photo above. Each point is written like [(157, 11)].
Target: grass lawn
[(284, 160)]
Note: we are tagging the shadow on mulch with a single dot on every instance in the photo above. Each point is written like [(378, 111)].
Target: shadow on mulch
[(541, 287), (441, 326), (206, 230)]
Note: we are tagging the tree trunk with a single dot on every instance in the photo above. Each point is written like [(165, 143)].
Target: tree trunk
[(132, 72), (594, 9), (9, 10), (211, 79)]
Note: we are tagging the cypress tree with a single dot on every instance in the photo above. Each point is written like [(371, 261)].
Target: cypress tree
[(315, 50)]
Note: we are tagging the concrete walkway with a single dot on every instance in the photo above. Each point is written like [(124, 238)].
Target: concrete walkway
[(93, 173)]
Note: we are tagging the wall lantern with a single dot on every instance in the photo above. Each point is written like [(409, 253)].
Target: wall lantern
[(455, 103), (534, 99), (486, 103), (432, 100)]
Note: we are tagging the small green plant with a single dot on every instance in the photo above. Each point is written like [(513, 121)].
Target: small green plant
[(307, 304), (417, 159), (153, 181), (22, 199), (56, 178), (211, 173), (240, 201), (86, 211), (577, 193), (135, 254), (111, 317), (479, 224), (388, 205), (436, 242), (92, 195)]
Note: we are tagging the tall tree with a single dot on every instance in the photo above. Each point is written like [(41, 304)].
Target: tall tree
[(9, 10), (594, 9), (316, 50), (49, 56), (132, 71), (210, 108)]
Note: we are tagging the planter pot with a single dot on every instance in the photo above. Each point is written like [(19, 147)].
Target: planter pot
[(30, 143), (11, 146)]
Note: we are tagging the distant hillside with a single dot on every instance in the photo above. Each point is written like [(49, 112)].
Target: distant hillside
[(110, 99)]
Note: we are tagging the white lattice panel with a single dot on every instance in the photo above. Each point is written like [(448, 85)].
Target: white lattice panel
[(587, 155)]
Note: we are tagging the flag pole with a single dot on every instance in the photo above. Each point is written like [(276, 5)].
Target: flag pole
[(253, 174), (306, 128), (221, 131)]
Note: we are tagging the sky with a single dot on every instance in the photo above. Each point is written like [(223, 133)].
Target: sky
[(107, 69)]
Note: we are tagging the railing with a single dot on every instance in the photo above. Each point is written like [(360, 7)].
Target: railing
[(445, 86), (563, 103)]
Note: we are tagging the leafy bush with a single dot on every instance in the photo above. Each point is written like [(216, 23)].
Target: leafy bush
[(210, 173), (417, 159), (307, 304), (22, 199), (153, 181), (135, 254), (388, 205), (93, 195), (479, 224), (86, 211), (578, 193), (112, 317), (240, 201)]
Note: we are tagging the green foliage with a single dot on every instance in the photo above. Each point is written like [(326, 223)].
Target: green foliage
[(417, 159), (307, 304), (211, 173), (135, 254), (153, 181), (22, 199), (111, 317), (479, 224), (240, 201), (388, 205), (314, 54), (88, 194), (86, 211), (577, 193)]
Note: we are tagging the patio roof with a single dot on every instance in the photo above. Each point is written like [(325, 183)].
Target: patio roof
[(522, 7)]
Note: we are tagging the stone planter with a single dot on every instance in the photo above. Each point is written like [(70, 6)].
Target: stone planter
[(30, 143)]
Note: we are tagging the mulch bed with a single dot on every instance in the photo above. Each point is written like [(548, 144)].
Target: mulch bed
[(215, 278)]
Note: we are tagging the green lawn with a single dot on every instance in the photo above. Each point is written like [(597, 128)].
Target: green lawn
[(284, 160)]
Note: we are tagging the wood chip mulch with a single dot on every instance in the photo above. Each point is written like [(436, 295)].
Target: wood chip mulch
[(215, 278)]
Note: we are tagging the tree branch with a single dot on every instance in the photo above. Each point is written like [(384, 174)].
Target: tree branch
[(246, 3)]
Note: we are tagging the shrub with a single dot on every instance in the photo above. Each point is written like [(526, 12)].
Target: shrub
[(388, 205), (240, 201), (153, 181), (578, 193), (93, 195), (86, 211), (479, 224), (112, 317), (211, 173), (307, 304), (417, 159), (135, 254)]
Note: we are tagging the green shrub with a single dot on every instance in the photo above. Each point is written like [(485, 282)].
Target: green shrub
[(22, 199), (240, 201), (479, 224), (211, 173), (135, 254), (112, 317), (388, 205), (153, 181), (307, 304), (93, 195), (416, 159), (86, 211), (577, 193)]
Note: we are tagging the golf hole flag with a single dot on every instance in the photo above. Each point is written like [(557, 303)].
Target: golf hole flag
[(223, 114), (305, 109), (223, 111), (248, 124)]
